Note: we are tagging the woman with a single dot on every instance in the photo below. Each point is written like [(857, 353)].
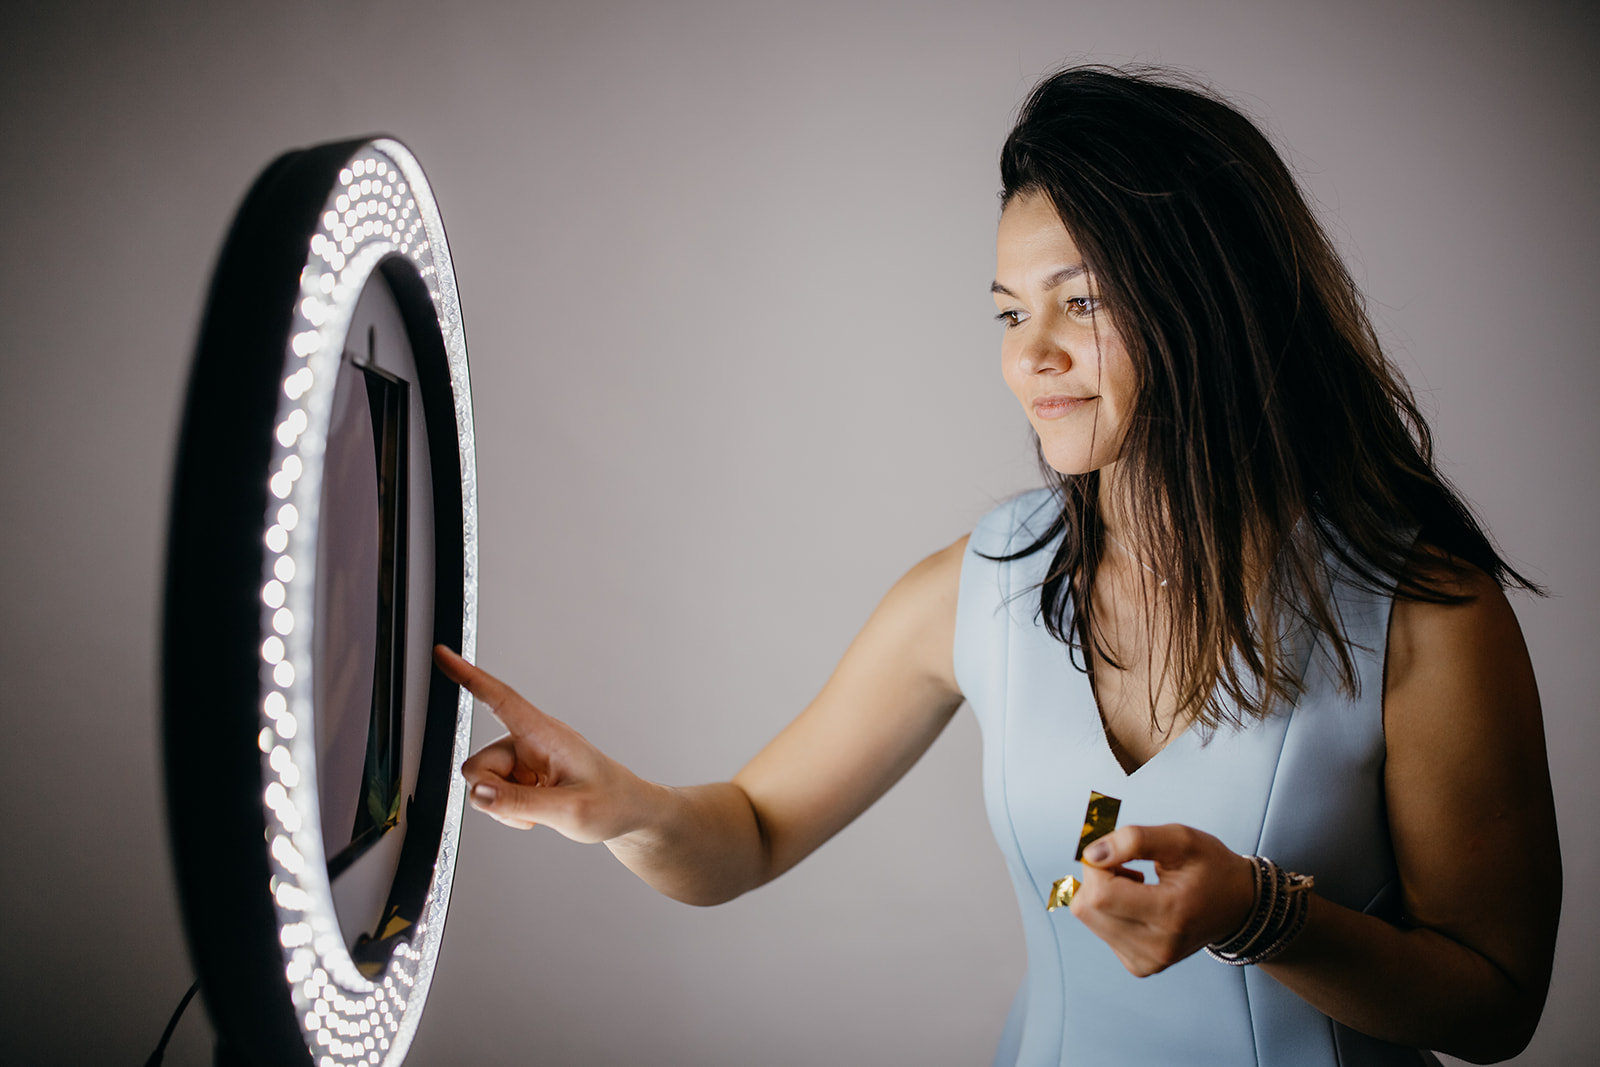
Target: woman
[(1248, 606)]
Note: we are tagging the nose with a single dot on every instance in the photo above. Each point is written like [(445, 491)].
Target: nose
[(1042, 353)]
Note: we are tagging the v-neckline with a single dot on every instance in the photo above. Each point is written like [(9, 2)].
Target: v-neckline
[(1308, 642), (1110, 747)]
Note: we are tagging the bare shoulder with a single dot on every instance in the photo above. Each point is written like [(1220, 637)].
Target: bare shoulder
[(928, 590), (1480, 634), (939, 573), (919, 613), (1458, 679)]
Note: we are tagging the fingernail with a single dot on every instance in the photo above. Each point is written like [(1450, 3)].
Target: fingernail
[(483, 794), (1097, 852)]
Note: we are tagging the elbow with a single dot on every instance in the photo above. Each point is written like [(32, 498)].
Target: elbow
[(1503, 1047), (1497, 1051), (743, 862), (1500, 1035), (704, 895)]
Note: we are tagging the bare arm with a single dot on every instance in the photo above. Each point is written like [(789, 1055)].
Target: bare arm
[(1473, 824), (888, 699)]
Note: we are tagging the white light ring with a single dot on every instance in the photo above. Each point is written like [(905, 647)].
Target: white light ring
[(448, 306), (313, 946)]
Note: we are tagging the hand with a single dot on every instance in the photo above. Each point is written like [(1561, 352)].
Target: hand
[(542, 770), (1204, 894)]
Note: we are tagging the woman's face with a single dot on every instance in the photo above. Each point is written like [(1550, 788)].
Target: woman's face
[(1060, 353)]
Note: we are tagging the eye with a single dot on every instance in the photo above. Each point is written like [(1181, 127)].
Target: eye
[(1082, 307), (1012, 318)]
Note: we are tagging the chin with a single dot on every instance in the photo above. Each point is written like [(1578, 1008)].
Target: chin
[(1074, 457), (1064, 460), (1066, 468)]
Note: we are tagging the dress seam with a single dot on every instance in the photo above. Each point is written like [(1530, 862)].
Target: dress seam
[(1005, 575), (1261, 832)]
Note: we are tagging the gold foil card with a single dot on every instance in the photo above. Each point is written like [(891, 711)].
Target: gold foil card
[(1062, 892), (1098, 821)]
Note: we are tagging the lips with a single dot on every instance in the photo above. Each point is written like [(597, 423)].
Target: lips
[(1055, 407)]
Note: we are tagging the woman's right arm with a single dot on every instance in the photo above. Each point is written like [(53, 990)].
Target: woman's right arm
[(891, 694)]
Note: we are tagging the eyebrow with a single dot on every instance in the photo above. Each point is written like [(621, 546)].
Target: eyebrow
[(1065, 274)]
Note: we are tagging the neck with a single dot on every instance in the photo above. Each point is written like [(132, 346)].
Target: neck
[(1123, 536), (1116, 508)]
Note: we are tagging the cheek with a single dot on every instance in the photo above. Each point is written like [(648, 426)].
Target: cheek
[(1011, 369), (1119, 383)]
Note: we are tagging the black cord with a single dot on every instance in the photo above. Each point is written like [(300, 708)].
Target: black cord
[(161, 1049)]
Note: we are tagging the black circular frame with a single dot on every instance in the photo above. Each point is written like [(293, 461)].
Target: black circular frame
[(239, 718)]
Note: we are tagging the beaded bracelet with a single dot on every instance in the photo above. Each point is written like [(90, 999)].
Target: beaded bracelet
[(1282, 902)]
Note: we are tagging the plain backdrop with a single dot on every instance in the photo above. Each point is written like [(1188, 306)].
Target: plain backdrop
[(724, 271)]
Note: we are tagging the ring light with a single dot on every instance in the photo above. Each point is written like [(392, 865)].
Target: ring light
[(323, 537)]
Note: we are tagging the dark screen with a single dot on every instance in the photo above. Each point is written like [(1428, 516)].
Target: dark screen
[(362, 611)]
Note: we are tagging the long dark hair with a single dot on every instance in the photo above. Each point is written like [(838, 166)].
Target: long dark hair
[(1269, 435)]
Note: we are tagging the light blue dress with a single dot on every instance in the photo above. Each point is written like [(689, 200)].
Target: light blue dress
[(1304, 787)]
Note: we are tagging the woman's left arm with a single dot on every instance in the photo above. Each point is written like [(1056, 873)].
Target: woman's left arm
[(1473, 825)]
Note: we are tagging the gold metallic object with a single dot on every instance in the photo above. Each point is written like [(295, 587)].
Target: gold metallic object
[(1098, 821), (1062, 892)]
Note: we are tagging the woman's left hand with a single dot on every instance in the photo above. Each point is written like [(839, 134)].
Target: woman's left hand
[(1204, 894)]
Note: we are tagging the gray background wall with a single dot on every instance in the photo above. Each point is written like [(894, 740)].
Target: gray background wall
[(724, 271)]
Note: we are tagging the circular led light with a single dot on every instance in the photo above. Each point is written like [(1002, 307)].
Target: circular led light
[(253, 649)]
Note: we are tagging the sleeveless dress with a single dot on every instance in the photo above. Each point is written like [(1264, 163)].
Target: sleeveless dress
[(1304, 787)]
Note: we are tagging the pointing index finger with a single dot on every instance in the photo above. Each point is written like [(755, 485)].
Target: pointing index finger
[(507, 705)]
